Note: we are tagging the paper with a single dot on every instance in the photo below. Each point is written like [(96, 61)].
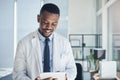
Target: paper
[(58, 75)]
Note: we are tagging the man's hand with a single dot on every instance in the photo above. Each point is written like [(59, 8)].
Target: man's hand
[(96, 76), (37, 78), (65, 76)]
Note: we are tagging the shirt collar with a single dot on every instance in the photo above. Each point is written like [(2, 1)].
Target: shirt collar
[(42, 38)]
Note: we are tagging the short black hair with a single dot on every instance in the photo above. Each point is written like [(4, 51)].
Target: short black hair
[(50, 7)]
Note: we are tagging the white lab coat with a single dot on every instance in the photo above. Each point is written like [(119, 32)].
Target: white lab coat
[(28, 64)]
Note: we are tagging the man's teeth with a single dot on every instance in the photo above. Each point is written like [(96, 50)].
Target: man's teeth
[(47, 31)]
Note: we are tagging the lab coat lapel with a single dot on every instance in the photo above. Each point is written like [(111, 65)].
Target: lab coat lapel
[(56, 55), (37, 53)]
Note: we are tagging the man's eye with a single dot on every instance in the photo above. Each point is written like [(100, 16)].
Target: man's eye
[(54, 24)]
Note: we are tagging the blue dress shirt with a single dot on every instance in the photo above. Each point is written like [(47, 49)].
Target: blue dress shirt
[(42, 44)]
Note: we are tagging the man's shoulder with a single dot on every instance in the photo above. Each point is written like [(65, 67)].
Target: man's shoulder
[(57, 35), (29, 36), (60, 37)]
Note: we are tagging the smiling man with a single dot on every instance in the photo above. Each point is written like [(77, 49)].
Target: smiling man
[(44, 50)]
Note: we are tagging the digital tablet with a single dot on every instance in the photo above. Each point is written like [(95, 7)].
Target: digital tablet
[(58, 75)]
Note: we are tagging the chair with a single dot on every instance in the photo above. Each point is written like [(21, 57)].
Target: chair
[(79, 72)]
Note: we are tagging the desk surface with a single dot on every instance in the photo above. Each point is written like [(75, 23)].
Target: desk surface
[(5, 71)]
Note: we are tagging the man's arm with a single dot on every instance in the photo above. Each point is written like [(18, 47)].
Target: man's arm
[(71, 67), (19, 71)]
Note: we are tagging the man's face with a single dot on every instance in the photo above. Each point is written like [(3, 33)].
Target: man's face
[(48, 22)]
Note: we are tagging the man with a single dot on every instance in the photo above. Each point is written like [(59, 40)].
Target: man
[(31, 58)]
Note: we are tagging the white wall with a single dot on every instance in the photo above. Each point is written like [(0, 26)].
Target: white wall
[(115, 17), (82, 17), (27, 11), (6, 33)]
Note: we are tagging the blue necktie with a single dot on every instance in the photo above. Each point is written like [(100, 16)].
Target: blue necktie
[(46, 56)]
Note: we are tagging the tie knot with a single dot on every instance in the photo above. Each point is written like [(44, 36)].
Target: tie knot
[(47, 39)]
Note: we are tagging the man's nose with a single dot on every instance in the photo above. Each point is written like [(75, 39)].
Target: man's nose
[(49, 26)]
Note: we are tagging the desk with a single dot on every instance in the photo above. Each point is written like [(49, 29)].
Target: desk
[(5, 73), (96, 77)]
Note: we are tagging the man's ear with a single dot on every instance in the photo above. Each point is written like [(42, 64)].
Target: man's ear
[(38, 18)]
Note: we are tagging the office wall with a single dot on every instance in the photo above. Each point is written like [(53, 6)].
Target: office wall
[(82, 16), (114, 14), (27, 11), (6, 33)]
